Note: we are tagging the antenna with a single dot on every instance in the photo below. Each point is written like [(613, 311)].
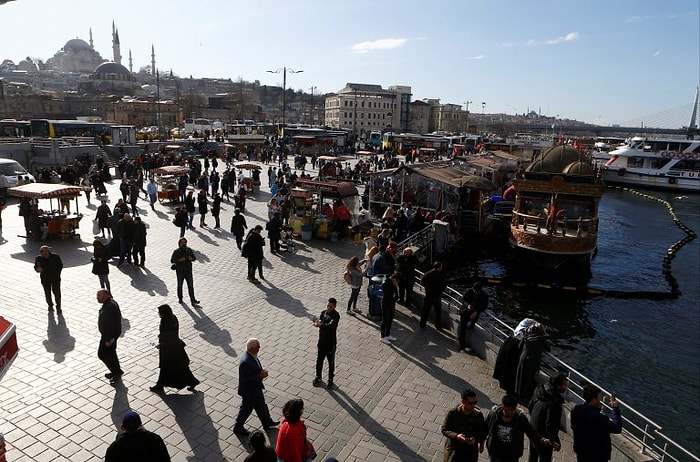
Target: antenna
[(693, 127)]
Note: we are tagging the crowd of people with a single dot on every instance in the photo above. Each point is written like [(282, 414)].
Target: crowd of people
[(466, 429)]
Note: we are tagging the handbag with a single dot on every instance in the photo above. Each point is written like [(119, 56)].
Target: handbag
[(309, 450), (95, 227)]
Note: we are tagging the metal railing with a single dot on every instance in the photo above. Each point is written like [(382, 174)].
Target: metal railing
[(644, 433)]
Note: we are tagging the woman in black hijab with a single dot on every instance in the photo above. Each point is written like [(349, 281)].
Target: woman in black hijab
[(173, 360)]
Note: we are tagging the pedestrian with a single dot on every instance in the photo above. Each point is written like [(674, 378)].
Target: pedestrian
[(135, 443), (291, 437), (134, 196), (434, 284), (545, 415), (327, 324), (124, 189), (464, 428), (85, 182), (100, 263), (109, 323), (125, 231), (406, 264), (238, 226), (274, 233), (353, 274), (533, 344), (173, 361), (262, 452), (103, 214), (189, 207), (253, 251), (203, 205), (139, 243), (250, 388), (474, 302), (49, 266), (152, 191), (390, 290), (216, 209), (506, 429), (242, 189), (180, 220), (591, 428), (181, 261)]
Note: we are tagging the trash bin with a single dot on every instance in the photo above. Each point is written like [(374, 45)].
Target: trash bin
[(374, 295), (306, 232)]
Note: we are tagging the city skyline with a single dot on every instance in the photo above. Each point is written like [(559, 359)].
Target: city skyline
[(602, 63)]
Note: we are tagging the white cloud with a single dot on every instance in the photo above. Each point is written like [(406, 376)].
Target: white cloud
[(632, 19), (656, 53), (570, 37), (382, 44), (477, 57)]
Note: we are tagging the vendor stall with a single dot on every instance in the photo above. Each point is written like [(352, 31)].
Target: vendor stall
[(59, 223), (167, 178), (313, 206), (8, 345), (252, 180)]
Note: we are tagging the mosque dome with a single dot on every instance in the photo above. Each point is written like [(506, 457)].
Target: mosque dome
[(76, 45), (111, 71), (561, 159)]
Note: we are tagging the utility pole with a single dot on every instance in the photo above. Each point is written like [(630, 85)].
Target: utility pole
[(467, 103)]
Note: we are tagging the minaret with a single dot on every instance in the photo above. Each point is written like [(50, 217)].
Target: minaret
[(153, 60), (91, 45), (131, 63), (116, 52)]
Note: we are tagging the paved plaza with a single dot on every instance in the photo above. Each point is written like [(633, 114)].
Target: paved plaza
[(55, 404)]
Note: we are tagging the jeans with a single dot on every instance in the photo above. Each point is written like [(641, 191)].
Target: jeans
[(124, 250), (323, 353), (190, 217), (432, 301), (104, 282), (55, 287), (183, 276), (387, 319), (354, 294), (108, 355)]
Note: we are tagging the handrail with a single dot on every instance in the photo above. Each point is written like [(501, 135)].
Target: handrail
[(638, 428)]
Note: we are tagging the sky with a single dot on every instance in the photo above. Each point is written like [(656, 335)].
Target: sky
[(605, 62)]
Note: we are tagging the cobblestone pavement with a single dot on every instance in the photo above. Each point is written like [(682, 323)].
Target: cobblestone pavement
[(388, 403)]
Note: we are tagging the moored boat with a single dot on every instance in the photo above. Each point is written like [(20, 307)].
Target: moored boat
[(659, 163), (555, 218)]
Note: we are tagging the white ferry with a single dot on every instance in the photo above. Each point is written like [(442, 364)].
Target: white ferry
[(659, 163)]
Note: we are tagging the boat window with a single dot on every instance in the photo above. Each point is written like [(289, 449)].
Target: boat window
[(659, 162), (688, 165), (635, 162)]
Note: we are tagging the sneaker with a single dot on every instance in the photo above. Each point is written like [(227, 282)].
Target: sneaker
[(385, 340), (392, 338), (466, 350), (316, 382)]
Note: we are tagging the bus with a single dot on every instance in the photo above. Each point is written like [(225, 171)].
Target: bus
[(197, 125), (375, 138), (11, 128), (44, 128)]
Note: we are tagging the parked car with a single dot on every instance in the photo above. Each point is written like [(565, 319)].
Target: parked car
[(12, 173)]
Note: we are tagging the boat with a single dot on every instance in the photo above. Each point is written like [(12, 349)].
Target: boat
[(659, 163), (554, 221)]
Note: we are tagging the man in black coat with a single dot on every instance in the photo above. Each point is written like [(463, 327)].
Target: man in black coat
[(474, 302), (434, 283), (254, 245), (109, 323), (182, 259), (136, 443), (250, 389), (238, 226), (592, 429), (125, 231), (545, 415), (139, 243), (406, 265), (49, 266), (274, 232), (327, 324)]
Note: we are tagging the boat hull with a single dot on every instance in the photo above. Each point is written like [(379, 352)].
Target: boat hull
[(551, 252), (643, 179)]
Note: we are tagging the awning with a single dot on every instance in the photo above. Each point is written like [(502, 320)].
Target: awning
[(449, 175), (248, 165), (170, 170), (329, 188), (47, 190), (365, 153), (174, 146)]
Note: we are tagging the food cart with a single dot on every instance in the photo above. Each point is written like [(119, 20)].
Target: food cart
[(62, 225), (250, 165), (8, 345), (167, 178), (309, 196)]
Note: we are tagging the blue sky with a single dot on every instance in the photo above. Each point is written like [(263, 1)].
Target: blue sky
[(605, 62)]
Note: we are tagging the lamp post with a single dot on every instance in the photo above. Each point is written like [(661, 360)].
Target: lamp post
[(313, 88), (284, 71), (467, 103)]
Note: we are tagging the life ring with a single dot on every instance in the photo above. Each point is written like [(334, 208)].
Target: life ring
[(621, 172), (672, 180), (666, 154), (688, 155)]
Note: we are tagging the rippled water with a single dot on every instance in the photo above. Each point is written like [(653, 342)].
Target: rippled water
[(647, 350)]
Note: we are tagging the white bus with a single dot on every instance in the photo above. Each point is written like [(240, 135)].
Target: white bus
[(197, 125)]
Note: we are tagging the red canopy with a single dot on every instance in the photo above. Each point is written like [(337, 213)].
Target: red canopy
[(47, 190)]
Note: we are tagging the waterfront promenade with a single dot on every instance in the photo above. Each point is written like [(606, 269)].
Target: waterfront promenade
[(55, 405)]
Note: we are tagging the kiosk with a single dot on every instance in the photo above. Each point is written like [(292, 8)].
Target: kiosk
[(167, 178), (311, 197)]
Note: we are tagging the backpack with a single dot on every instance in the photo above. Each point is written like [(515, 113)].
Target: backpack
[(348, 277)]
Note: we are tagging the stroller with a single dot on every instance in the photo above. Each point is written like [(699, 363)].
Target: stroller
[(287, 239)]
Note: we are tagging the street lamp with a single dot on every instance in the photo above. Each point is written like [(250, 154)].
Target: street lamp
[(467, 103), (284, 71), (483, 106)]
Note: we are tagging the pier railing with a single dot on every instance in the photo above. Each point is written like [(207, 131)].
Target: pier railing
[(646, 435)]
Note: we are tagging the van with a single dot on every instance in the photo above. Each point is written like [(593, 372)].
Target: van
[(13, 174)]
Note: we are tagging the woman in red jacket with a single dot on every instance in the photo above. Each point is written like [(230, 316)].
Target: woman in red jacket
[(291, 437)]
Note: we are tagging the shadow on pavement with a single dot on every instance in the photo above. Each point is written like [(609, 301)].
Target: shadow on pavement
[(58, 341), (390, 441), (120, 404), (196, 425), (144, 280), (210, 331), (281, 299)]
